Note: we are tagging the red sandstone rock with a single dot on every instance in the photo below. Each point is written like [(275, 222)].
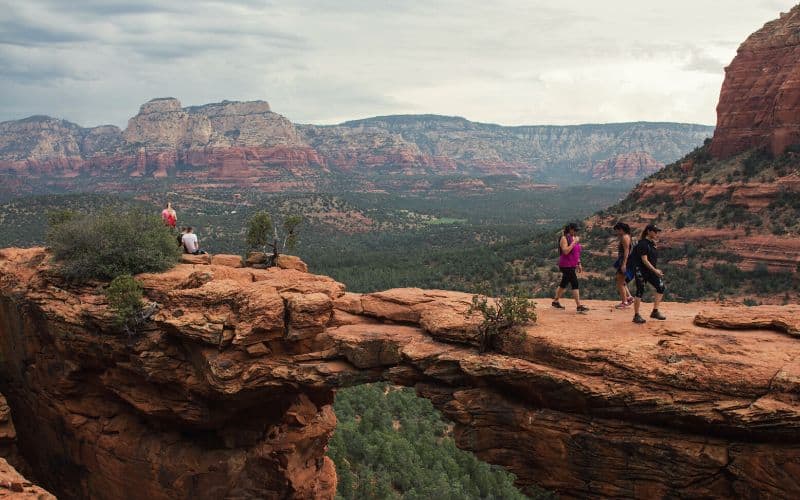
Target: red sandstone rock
[(188, 258), (223, 399), (782, 318), (758, 105), (291, 262), (227, 260), (14, 486)]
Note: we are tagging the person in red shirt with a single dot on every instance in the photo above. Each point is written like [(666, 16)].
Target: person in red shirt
[(169, 216)]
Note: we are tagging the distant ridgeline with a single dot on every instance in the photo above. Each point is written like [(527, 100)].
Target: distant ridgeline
[(246, 144)]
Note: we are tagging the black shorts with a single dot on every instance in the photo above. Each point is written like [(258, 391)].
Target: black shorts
[(568, 275), (646, 276)]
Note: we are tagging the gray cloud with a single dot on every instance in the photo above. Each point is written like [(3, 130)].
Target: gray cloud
[(514, 62)]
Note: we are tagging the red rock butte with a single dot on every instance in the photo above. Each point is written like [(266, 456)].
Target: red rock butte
[(227, 392), (759, 105)]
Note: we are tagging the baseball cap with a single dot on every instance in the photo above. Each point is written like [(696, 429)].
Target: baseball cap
[(653, 227)]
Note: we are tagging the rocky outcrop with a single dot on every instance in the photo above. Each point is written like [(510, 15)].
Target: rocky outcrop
[(247, 143), (14, 486), (780, 318), (227, 392), (627, 166), (759, 102)]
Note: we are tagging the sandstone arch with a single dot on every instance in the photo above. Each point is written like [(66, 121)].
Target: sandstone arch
[(229, 393)]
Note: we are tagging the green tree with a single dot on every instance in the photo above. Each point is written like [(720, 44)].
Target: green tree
[(391, 444), (263, 234)]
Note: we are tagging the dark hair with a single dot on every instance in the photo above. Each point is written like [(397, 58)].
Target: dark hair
[(650, 228), (569, 227), (189, 228), (624, 227)]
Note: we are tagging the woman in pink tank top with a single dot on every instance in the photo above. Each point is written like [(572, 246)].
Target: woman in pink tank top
[(169, 216), (569, 262)]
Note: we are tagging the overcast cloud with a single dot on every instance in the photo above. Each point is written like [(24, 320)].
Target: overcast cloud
[(509, 62)]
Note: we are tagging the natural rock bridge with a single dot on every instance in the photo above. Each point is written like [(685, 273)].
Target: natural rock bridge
[(228, 392)]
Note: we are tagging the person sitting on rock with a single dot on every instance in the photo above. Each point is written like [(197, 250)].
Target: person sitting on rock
[(190, 242), (169, 216), (645, 260)]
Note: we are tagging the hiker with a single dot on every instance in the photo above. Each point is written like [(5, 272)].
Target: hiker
[(190, 243), (645, 260), (169, 216), (569, 262), (624, 273)]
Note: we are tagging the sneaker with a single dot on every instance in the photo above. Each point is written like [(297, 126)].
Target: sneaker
[(622, 305), (657, 315), (629, 300), (639, 319), (557, 305), (583, 309)]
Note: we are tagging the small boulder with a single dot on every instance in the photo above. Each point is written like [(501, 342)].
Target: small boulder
[(188, 258), (256, 259), (291, 262), (227, 260)]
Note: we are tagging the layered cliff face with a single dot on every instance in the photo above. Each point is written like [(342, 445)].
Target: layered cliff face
[(227, 392), (247, 143), (760, 95), (553, 152), (629, 166)]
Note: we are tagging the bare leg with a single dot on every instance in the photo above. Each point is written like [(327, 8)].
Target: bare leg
[(657, 302), (559, 293), (621, 288), (576, 294)]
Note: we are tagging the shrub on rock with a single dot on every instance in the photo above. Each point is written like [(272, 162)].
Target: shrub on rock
[(125, 296), (502, 316), (111, 244)]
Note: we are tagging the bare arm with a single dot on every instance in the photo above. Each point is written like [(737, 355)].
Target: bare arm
[(650, 266), (565, 248)]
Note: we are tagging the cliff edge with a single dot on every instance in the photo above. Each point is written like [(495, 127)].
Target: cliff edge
[(228, 391)]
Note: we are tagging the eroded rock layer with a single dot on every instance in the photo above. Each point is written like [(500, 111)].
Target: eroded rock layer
[(246, 143), (758, 104), (227, 392)]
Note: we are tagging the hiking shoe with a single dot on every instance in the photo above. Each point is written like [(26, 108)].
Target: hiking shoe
[(639, 319), (622, 305), (657, 315), (557, 305), (629, 300), (583, 309)]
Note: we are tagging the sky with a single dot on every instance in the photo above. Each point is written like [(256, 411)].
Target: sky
[(510, 62)]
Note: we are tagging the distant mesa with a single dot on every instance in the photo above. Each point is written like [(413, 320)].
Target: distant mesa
[(247, 144)]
